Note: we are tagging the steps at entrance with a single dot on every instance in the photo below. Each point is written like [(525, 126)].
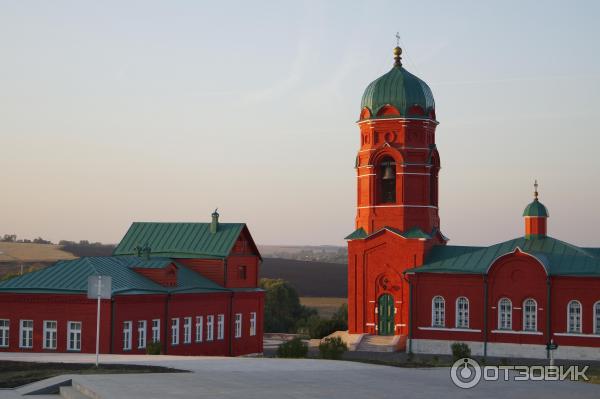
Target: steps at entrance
[(381, 343)]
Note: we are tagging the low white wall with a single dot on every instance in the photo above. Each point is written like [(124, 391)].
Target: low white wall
[(495, 349)]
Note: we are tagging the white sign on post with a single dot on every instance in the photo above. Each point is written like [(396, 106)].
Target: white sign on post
[(99, 287)]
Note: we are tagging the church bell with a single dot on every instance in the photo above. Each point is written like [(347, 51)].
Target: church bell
[(388, 173)]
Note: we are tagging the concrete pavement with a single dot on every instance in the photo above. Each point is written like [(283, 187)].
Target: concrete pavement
[(293, 378)]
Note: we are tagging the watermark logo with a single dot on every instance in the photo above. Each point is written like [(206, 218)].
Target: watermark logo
[(467, 373)]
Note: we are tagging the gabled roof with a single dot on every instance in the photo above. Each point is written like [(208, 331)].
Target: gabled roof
[(558, 257), (413, 232), (70, 277), (180, 240)]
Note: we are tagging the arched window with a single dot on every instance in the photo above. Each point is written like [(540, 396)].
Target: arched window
[(438, 312), (597, 318), (386, 177), (530, 315), (462, 312), (574, 317), (504, 314)]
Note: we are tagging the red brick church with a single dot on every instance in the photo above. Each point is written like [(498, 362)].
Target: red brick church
[(509, 299), (191, 287)]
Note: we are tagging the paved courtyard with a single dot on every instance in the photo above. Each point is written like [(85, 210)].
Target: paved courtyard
[(288, 378)]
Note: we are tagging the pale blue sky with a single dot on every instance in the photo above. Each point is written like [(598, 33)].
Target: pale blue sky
[(113, 112)]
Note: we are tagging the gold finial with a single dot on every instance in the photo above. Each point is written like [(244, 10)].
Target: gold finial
[(397, 51), (535, 193)]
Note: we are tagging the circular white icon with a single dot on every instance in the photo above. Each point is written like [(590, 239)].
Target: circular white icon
[(465, 373)]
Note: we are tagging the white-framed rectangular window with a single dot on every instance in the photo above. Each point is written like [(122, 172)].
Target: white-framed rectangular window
[(4, 332), (174, 331), (210, 327), (238, 325), (252, 324), (74, 335), (26, 334), (127, 335), (155, 330), (504, 314), (438, 311), (574, 317), (187, 330), (49, 334), (462, 312), (199, 327), (141, 334), (221, 326), (530, 315)]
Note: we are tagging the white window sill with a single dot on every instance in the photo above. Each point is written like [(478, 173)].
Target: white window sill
[(577, 335), (449, 329), (517, 332)]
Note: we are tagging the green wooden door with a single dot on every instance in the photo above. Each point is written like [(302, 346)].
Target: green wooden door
[(386, 315)]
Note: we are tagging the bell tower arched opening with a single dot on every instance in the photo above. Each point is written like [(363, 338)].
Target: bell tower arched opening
[(386, 181)]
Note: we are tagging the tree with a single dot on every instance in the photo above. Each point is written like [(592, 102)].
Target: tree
[(341, 314), (9, 238), (282, 306)]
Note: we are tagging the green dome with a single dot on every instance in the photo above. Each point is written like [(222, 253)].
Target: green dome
[(404, 91), (536, 209)]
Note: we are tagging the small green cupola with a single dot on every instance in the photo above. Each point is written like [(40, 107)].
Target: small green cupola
[(535, 215), (398, 93)]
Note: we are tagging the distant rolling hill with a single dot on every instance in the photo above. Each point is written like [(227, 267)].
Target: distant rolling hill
[(314, 279)]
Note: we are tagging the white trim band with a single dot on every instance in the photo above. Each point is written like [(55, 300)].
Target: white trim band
[(517, 332), (577, 335)]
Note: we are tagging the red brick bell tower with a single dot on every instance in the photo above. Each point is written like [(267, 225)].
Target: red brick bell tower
[(397, 217)]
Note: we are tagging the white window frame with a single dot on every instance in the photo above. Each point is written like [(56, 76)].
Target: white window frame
[(25, 334), (127, 329), (220, 326), (199, 328), (252, 324), (597, 317), (74, 345), (438, 311), (187, 330), (155, 330), (574, 326), (4, 333), (530, 315), (238, 325), (141, 329), (505, 315), (50, 334), (174, 331), (462, 312), (210, 327)]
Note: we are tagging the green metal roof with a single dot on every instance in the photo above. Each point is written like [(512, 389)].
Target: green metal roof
[(558, 257), (535, 209), (356, 234), (180, 240), (413, 232), (70, 277), (401, 89)]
